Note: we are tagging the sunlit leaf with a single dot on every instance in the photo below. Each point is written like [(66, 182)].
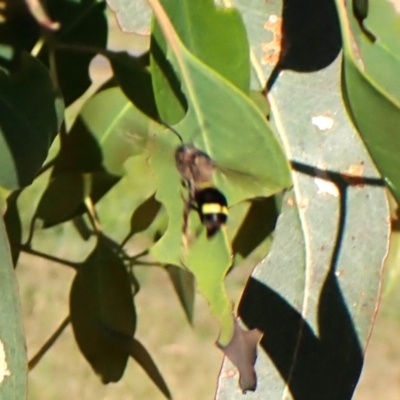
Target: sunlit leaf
[(215, 36), (236, 121), (371, 84), (209, 261), (13, 365), (313, 296), (133, 16)]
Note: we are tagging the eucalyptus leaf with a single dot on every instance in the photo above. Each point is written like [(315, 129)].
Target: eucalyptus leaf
[(101, 296), (13, 371), (236, 120), (209, 261), (119, 129), (12, 221), (119, 209), (82, 24), (132, 16), (372, 89), (18, 32), (135, 80), (140, 354), (184, 285), (29, 121), (217, 37), (316, 294)]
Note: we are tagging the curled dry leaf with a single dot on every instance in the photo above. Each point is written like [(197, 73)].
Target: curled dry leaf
[(39, 13), (242, 351)]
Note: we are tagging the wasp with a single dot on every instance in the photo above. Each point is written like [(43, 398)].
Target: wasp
[(196, 168)]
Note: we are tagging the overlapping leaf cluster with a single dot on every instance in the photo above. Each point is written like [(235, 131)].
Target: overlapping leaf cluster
[(110, 177)]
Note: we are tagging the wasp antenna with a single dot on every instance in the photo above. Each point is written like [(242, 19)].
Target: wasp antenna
[(172, 130)]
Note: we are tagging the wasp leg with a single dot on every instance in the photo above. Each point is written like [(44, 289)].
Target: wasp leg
[(186, 211)]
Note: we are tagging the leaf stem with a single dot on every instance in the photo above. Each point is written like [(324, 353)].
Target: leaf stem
[(81, 48), (49, 342), (27, 249)]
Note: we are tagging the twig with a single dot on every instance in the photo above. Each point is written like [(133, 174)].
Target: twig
[(47, 345), (29, 250)]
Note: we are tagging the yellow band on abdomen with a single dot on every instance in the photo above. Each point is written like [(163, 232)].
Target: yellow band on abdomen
[(214, 208)]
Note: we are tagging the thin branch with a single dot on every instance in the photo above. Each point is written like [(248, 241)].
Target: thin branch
[(80, 48), (135, 257), (47, 166), (29, 250), (91, 213), (47, 345), (138, 263), (31, 232)]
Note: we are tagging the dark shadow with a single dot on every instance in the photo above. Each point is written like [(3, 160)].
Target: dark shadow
[(169, 75), (134, 78), (324, 366), (18, 32), (360, 11), (258, 224), (311, 37)]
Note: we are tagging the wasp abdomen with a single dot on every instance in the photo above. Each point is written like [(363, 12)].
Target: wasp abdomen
[(213, 209)]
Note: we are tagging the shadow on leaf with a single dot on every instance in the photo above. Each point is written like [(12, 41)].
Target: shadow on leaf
[(311, 37), (325, 366)]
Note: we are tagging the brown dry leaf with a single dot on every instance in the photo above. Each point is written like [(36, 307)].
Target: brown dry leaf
[(242, 351), (39, 13)]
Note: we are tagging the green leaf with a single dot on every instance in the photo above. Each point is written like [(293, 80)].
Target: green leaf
[(236, 121), (209, 261), (184, 285), (139, 353), (119, 129), (312, 296), (134, 190), (372, 88), (101, 296), (135, 80), (12, 221), (143, 358), (169, 248), (13, 365), (215, 36), (83, 23), (257, 225), (28, 123), (108, 131), (170, 101), (144, 215), (64, 197)]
